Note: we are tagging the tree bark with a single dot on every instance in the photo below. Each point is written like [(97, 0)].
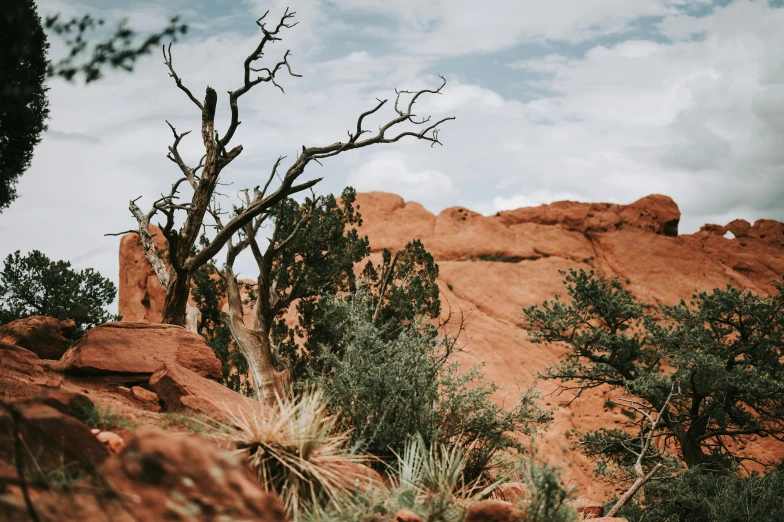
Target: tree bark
[(255, 346), (176, 302)]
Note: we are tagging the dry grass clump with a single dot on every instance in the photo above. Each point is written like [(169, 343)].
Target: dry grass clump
[(298, 453)]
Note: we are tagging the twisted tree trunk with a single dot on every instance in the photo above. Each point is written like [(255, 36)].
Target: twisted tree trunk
[(255, 345)]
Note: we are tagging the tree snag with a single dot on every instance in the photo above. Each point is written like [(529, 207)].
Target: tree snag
[(203, 178)]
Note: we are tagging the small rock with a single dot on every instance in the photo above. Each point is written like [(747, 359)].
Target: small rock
[(144, 395), (512, 492), (588, 509), (494, 511), (404, 515), (113, 442)]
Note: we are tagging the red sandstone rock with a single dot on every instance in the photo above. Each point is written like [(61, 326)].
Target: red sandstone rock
[(47, 337), (713, 229), (139, 349), (67, 402), (588, 509), (739, 227), (53, 438), (512, 492), (140, 294), (405, 515), (183, 477), (181, 389), (113, 442), (655, 213), (494, 511), (21, 374)]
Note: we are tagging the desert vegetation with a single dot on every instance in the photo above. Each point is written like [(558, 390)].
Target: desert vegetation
[(333, 384), (701, 378)]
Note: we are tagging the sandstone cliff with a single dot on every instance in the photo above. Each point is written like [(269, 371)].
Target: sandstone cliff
[(498, 264)]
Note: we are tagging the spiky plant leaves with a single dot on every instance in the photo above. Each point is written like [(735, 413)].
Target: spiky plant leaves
[(297, 452)]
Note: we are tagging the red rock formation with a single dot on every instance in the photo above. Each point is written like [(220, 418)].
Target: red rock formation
[(181, 389), (140, 348), (140, 293), (56, 440), (496, 265), (47, 337)]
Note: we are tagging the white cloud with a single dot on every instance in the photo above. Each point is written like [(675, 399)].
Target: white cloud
[(701, 120), (534, 199), (391, 172), (456, 27)]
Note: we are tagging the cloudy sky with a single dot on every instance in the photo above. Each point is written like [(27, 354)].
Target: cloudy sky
[(589, 100)]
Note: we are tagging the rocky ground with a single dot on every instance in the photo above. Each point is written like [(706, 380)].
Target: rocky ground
[(121, 427)]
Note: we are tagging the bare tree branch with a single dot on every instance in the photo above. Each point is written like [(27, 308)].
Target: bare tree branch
[(642, 478), (177, 80)]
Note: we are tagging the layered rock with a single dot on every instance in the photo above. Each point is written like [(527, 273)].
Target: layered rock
[(47, 337), (181, 389), (137, 349)]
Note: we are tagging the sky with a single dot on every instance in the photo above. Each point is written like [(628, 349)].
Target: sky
[(586, 100)]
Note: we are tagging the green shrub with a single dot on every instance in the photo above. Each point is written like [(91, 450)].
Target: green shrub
[(388, 386), (104, 418), (36, 285), (697, 496), (550, 500)]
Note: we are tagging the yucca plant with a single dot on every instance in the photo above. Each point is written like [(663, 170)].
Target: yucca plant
[(434, 480), (298, 453)]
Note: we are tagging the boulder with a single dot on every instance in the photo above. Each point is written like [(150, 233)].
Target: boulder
[(710, 228), (55, 440), (21, 374), (739, 227), (184, 477), (47, 337), (181, 389), (138, 349), (494, 511), (588, 509)]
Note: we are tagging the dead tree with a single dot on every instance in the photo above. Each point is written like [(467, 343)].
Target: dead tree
[(203, 178), (647, 432)]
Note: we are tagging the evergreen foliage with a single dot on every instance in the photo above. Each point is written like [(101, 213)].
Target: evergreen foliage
[(24, 107), (723, 355), (392, 385), (36, 285)]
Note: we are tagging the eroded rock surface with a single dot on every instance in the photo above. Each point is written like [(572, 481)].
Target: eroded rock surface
[(181, 389), (139, 348), (47, 337)]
